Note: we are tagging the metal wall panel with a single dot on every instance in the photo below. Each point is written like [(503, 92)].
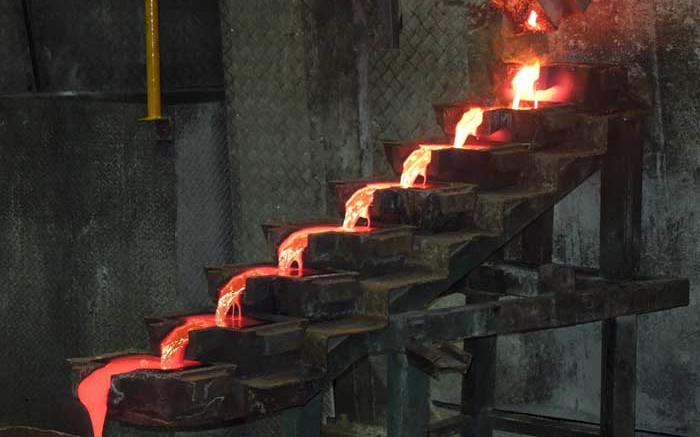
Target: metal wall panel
[(99, 46), (88, 247), (429, 66), (204, 228), (15, 62), (291, 113), (98, 229)]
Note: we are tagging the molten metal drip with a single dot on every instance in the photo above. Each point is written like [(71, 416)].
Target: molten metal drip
[(93, 390), (357, 206), (470, 122), (524, 84), (532, 21), (172, 348), (416, 165), (291, 251), (231, 294)]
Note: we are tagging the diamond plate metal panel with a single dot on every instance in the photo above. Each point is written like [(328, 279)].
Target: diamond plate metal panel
[(429, 66), (88, 245), (277, 155), (99, 46), (204, 233), (15, 68)]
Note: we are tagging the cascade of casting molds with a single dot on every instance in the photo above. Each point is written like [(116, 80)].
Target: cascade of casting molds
[(93, 391)]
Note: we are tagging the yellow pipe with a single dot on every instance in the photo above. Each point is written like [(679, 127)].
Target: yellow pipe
[(153, 61)]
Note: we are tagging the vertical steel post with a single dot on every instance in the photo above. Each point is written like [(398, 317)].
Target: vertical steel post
[(620, 248), (408, 409), (152, 62)]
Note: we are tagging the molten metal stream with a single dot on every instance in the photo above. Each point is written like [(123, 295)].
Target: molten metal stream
[(231, 294), (468, 125), (524, 84), (93, 391), (172, 348), (291, 251), (357, 206)]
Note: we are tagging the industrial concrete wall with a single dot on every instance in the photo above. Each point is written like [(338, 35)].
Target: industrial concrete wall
[(100, 226)]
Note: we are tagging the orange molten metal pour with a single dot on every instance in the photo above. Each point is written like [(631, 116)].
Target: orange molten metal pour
[(357, 206), (93, 390), (172, 348), (468, 125), (524, 84), (231, 294)]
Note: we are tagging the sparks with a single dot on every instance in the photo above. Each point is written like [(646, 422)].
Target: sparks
[(532, 21)]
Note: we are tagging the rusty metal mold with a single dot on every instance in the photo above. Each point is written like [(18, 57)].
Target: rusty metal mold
[(435, 207), (590, 86), (548, 126), (488, 166), (317, 297), (271, 343), (317, 294), (369, 252)]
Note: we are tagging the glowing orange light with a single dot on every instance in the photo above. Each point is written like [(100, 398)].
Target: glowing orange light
[(524, 84), (470, 122), (291, 251), (172, 348), (231, 294), (532, 21), (357, 206), (93, 390)]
